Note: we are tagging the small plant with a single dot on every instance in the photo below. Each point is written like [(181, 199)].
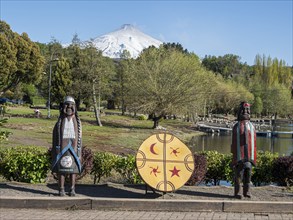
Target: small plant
[(4, 134), (229, 172), (103, 164), (126, 166), (217, 166)]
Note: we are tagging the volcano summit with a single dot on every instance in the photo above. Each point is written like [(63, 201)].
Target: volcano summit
[(126, 38)]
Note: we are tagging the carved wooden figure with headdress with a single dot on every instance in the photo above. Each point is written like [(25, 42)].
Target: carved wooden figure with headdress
[(243, 149), (67, 145)]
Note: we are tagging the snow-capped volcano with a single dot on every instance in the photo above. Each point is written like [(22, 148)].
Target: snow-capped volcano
[(126, 38)]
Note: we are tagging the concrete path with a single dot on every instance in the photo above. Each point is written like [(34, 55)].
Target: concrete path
[(116, 201), (37, 214)]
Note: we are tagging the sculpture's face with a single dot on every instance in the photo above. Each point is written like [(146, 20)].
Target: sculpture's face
[(244, 111), (69, 108)]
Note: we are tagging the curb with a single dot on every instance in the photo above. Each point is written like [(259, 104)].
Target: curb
[(90, 203)]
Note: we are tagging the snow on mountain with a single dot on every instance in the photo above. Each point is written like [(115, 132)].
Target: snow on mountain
[(126, 38)]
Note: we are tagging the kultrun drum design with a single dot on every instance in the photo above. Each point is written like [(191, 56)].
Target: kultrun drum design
[(164, 162)]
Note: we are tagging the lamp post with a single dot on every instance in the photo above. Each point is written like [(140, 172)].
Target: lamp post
[(50, 82)]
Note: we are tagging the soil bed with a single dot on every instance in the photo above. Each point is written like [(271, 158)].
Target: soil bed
[(113, 190)]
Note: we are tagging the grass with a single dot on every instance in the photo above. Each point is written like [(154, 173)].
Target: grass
[(119, 134)]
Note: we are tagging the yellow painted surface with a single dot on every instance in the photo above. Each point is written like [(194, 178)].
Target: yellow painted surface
[(164, 162)]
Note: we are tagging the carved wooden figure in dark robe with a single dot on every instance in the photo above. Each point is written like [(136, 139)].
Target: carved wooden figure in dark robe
[(243, 149), (67, 145)]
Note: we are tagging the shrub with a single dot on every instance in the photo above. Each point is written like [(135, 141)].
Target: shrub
[(142, 117), (103, 164), (25, 164), (217, 166), (262, 173), (282, 171), (3, 134), (126, 167), (229, 172), (200, 169)]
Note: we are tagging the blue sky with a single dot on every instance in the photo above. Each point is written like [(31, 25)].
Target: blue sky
[(243, 28)]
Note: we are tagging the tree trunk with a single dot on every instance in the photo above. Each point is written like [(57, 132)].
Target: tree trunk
[(77, 103), (110, 104), (123, 107), (156, 121), (97, 111)]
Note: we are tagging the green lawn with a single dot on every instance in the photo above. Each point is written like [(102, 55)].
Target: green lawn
[(119, 134)]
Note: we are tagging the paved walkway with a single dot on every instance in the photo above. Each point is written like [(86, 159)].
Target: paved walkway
[(37, 214), (116, 201)]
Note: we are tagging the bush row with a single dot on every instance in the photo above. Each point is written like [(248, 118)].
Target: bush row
[(32, 165)]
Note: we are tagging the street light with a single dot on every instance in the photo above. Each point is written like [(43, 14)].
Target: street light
[(50, 78)]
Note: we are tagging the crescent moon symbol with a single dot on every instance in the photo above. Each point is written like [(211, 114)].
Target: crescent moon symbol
[(152, 149)]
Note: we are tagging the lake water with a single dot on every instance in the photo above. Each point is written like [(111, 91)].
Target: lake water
[(222, 142)]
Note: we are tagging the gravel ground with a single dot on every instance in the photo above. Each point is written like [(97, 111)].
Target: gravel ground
[(113, 190)]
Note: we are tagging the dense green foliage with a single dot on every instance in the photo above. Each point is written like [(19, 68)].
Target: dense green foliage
[(218, 166), (167, 82), (21, 60), (262, 174), (126, 167), (104, 164), (25, 164), (228, 65), (32, 164)]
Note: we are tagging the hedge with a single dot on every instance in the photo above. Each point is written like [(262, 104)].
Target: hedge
[(32, 165)]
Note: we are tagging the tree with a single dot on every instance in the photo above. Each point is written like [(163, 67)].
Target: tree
[(277, 100), (175, 46), (80, 86), (21, 60), (52, 53), (285, 74), (165, 81), (96, 71), (228, 65), (271, 71), (125, 64), (271, 82), (229, 94), (61, 81), (257, 106), (8, 60), (29, 93)]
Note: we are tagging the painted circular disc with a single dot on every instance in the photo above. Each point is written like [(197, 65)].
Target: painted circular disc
[(164, 162)]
